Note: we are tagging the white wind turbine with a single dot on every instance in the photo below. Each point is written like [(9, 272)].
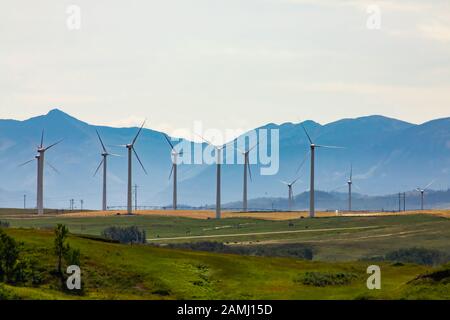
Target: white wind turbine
[(290, 192), (173, 171), (422, 191), (103, 163), (131, 150), (40, 157), (313, 147), (218, 174), (247, 169), (350, 182)]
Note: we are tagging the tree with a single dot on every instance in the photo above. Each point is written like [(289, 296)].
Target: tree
[(61, 249), (9, 254)]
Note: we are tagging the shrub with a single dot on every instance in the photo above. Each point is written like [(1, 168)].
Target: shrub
[(125, 235), (4, 224), (9, 254), (323, 279), (284, 250), (417, 255)]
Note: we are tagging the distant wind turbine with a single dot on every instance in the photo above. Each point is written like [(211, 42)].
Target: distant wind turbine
[(290, 192), (103, 163), (40, 157), (218, 174), (422, 191), (350, 182), (173, 171), (313, 146), (131, 150), (247, 169)]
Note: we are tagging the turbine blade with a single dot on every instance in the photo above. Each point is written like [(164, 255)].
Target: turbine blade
[(52, 145), (207, 141), (168, 141), (329, 147), (309, 138), (98, 168), (138, 133), (140, 162), (293, 182), (249, 172), (114, 155), (351, 171), (303, 161), (253, 147), (25, 163), (50, 165), (101, 141), (284, 182), (430, 184), (171, 171), (42, 138)]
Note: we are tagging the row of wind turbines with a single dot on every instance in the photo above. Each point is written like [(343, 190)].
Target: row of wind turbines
[(40, 157)]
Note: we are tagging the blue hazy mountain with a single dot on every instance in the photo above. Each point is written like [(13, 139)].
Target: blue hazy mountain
[(388, 155)]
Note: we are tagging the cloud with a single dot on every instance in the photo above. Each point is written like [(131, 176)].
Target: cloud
[(436, 30)]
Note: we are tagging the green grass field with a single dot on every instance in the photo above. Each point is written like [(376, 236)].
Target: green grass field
[(334, 238), (341, 245), (114, 271)]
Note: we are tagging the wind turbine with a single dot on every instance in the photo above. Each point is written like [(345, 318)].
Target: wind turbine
[(40, 157), (422, 191), (131, 150), (173, 171), (313, 147), (103, 163), (290, 192), (350, 182), (218, 174), (247, 169)]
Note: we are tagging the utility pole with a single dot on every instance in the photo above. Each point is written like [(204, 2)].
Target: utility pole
[(81, 204), (135, 196), (399, 202), (24, 201), (404, 201)]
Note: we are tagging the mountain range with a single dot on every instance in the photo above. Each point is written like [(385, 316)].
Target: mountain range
[(387, 156)]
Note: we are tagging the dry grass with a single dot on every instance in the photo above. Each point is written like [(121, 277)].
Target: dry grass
[(203, 214)]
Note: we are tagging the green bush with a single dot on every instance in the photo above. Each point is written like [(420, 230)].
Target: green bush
[(295, 250), (323, 279), (9, 255), (418, 256), (4, 224), (125, 234)]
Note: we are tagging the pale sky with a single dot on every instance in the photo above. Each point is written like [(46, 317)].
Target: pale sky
[(234, 64)]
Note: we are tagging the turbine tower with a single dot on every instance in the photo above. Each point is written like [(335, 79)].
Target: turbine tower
[(173, 171), (350, 182), (218, 174), (40, 157), (131, 150), (290, 192), (247, 169), (422, 191), (312, 211), (103, 163)]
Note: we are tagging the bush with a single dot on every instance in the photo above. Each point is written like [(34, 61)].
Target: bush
[(323, 279), (9, 255), (418, 256), (284, 250), (125, 235), (4, 224)]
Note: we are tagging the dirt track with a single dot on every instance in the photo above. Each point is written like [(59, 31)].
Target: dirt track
[(202, 214)]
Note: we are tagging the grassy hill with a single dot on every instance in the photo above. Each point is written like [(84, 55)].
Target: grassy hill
[(115, 271)]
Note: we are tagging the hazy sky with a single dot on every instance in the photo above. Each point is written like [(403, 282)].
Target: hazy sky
[(229, 63)]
